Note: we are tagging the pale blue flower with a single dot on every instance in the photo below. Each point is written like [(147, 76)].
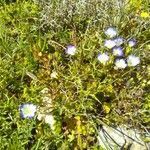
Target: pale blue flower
[(120, 64), (133, 60), (103, 58), (111, 32), (117, 51), (27, 110), (109, 44), (132, 43), (119, 41), (71, 50)]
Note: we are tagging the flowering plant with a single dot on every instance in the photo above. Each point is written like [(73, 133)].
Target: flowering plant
[(82, 65), (27, 110)]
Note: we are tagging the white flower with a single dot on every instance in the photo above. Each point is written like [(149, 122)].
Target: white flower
[(117, 51), (103, 58), (132, 42), (54, 74), (44, 91), (71, 49), (111, 32), (133, 60), (109, 44), (49, 119), (40, 116), (47, 100), (119, 41), (120, 64), (27, 110)]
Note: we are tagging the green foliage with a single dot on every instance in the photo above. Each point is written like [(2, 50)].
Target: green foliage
[(85, 94)]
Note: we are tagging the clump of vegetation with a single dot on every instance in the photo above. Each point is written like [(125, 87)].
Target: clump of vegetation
[(68, 67)]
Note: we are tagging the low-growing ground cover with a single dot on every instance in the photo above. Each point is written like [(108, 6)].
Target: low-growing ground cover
[(69, 67)]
